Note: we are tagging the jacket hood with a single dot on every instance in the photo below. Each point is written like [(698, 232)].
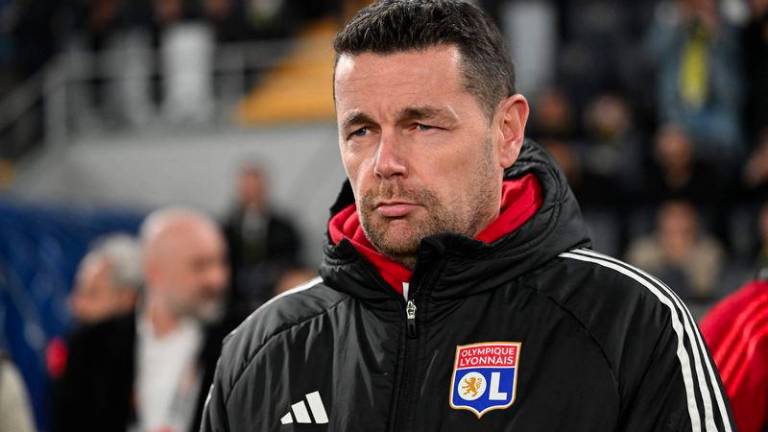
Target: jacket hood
[(460, 265)]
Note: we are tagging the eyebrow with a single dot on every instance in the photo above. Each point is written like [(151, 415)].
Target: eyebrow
[(356, 118), (425, 112), (407, 114)]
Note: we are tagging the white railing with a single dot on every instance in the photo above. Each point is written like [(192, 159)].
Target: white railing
[(127, 77)]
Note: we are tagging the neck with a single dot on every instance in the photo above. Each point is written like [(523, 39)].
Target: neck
[(161, 319)]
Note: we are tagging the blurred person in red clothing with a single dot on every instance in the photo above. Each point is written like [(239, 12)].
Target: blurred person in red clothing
[(107, 285), (736, 331)]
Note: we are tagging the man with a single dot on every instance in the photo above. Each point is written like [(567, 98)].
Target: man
[(108, 280), (736, 330), (262, 244), (107, 285), (148, 371), (682, 250), (456, 293)]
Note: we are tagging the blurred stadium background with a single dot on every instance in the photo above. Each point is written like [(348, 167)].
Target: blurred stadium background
[(657, 111)]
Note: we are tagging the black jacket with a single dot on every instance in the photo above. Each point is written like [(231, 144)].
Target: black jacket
[(96, 391), (574, 341)]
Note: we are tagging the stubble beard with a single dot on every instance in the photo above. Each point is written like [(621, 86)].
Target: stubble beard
[(466, 218), (206, 311)]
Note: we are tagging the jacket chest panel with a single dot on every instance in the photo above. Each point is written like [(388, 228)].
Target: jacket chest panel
[(332, 374), (557, 381)]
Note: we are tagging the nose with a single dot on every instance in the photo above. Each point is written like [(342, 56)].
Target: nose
[(390, 156)]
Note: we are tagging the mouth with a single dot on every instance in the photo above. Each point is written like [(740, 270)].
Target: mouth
[(395, 209)]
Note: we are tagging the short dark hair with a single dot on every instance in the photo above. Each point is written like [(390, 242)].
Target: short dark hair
[(389, 26)]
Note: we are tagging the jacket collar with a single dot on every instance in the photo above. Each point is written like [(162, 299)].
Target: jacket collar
[(454, 265), (521, 198)]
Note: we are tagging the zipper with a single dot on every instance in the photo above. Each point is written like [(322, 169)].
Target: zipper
[(407, 379), (406, 363), (410, 318)]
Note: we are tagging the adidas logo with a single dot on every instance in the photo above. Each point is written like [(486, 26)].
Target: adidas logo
[(300, 413)]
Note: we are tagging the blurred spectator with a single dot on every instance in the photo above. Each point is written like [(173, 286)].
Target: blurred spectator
[(150, 370), (15, 413), (736, 330), (167, 12), (227, 19), (187, 55), (611, 180), (270, 19), (755, 172), (756, 50), (262, 244), (118, 66), (599, 41), (530, 29), (679, 252), (569, 162), (699, 75), (102, 19), (553, 116), (612, 152), (108, 280), (675, 172), (107, 285)]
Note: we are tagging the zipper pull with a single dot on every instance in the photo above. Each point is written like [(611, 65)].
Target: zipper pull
[(410, 318)]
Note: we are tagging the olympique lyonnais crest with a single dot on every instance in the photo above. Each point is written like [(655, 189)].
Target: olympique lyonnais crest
[(485, 376)]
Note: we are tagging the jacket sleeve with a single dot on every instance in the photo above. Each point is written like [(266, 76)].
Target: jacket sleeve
[(679, 390)]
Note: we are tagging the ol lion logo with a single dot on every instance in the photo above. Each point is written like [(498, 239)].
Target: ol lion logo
[(471, 386), (485, 376)]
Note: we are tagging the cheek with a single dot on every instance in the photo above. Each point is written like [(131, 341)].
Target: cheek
[(357, 170)]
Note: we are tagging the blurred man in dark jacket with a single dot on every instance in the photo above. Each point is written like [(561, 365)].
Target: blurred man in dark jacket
[(262, 243)]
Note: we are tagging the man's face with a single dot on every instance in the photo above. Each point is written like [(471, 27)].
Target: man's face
[(95, 296), (420, 153), (192, 272), (252, 189)]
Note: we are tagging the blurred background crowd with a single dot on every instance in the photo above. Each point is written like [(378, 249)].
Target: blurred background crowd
[(657, 110)]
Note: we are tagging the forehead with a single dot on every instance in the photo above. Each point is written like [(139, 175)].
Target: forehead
[(186, 239), (407, 77)]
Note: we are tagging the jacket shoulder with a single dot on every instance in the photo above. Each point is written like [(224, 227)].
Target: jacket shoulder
[(607, 284), (647, 334), (276, 317), (624, 309), (627, 311)]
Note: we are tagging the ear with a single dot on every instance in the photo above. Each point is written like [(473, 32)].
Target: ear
[(511, 117)]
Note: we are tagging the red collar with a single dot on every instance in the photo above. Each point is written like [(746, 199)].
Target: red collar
[(520, 199)]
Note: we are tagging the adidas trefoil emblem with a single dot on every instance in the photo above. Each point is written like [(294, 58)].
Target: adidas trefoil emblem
[(299, 413)]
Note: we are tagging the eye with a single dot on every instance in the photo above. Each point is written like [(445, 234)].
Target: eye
[(363, 131), (424, 127)]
